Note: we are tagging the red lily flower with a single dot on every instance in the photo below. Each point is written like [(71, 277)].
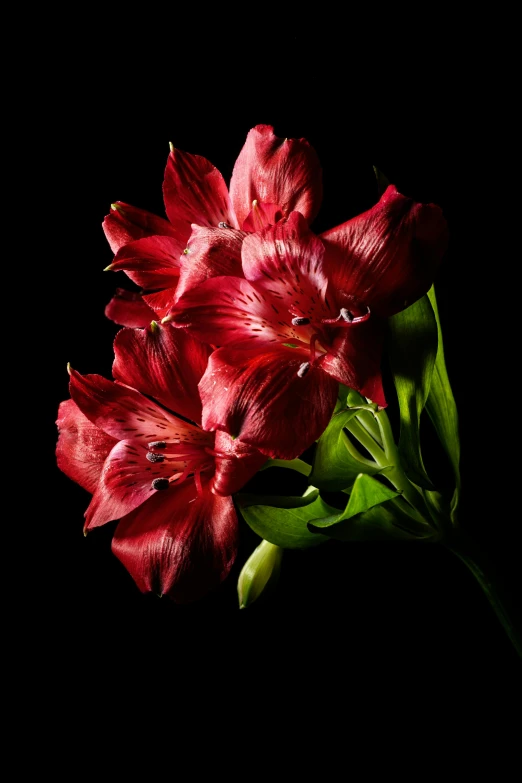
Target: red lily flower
[(295, 324), (168, 481), (271, 178)]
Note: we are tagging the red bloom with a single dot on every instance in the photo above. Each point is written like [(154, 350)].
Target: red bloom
[(271, 178), (296, 322), (168, 481)]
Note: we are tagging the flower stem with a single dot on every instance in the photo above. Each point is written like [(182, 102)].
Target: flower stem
[(477, 562), (294, 464)]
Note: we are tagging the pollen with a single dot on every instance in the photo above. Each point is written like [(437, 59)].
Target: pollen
[(303, 369), (152, 457), (157, 444), (298, 321), (160, 483)]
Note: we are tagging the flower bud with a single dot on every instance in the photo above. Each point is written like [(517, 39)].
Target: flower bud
[(260, 571)]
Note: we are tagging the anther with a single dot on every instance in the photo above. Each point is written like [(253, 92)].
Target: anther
[(161, 483), (303, 369), (300, 321), (222, 224), (157, 444), (346, 315), (154, 457)]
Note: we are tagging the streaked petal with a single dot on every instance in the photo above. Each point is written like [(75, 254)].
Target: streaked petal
[(260, 399), (179, 544), (127, 308), (195, 192), (161, 301), (285, 261), (82, 447), (286, 172), (125, 483), (210, 252), (152, 262), (126, 414), (388, 256), (236, 462), (164, 363), (125, 223)]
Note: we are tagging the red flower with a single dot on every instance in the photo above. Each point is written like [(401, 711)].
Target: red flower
[(296, 323), (271, 178), (168, 481)]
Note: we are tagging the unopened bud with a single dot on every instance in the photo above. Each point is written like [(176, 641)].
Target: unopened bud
[(260, 572)]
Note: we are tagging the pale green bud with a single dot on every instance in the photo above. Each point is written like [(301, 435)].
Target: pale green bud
[(260, 571)]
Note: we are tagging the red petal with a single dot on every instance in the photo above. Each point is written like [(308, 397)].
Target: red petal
[(261, 216), (164, 363), (388, 256), (125, 483), (152, 262), (128, 415), (161, 301), (211, 252), (285, 262), (82, 447), (355, 359), (276, 171), (125, 223), (195, 192), (179, 544), (259, 398), (224, 310), (127, 308), (236, 463)]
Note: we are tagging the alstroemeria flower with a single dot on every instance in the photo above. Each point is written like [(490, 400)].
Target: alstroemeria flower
[(296, 323), (136, 445), (271, 178)]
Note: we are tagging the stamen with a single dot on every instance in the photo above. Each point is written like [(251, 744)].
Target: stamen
[(346, 315), (300, 321), (157, 444), (197, 480), (313, 340), (347, 318), (154, 457), (222, 224), (160, 483), (303, 369)]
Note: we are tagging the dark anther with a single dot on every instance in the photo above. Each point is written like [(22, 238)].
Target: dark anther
[(154, 457), (161, 483), (223, 225), (346, 315), (303, 369), (157, 444), (300, 321)]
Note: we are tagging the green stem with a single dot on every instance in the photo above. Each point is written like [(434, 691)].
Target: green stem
[(293, 464), (500, 601), (368, 442), (367, 420)]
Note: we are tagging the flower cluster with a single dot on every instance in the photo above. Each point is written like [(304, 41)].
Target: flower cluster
[(247, 339)]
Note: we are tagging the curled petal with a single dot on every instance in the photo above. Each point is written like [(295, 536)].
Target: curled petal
[(388, 256), (127, 308), (276, 171), (178, 543), (152, 262), (354, 359), (236, 462), (164, 363), (195, 192), (82, 447), (125, 223), (267, 399), (210, 252)]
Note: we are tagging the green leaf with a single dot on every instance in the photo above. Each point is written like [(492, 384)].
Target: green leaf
[(287, 527), (442, 410), (412, 353), (260, 573), (366, 493), (389, 520), (277, 501), (336, 460)]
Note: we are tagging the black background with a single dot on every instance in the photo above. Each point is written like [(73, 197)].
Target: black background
[(340, 611)]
